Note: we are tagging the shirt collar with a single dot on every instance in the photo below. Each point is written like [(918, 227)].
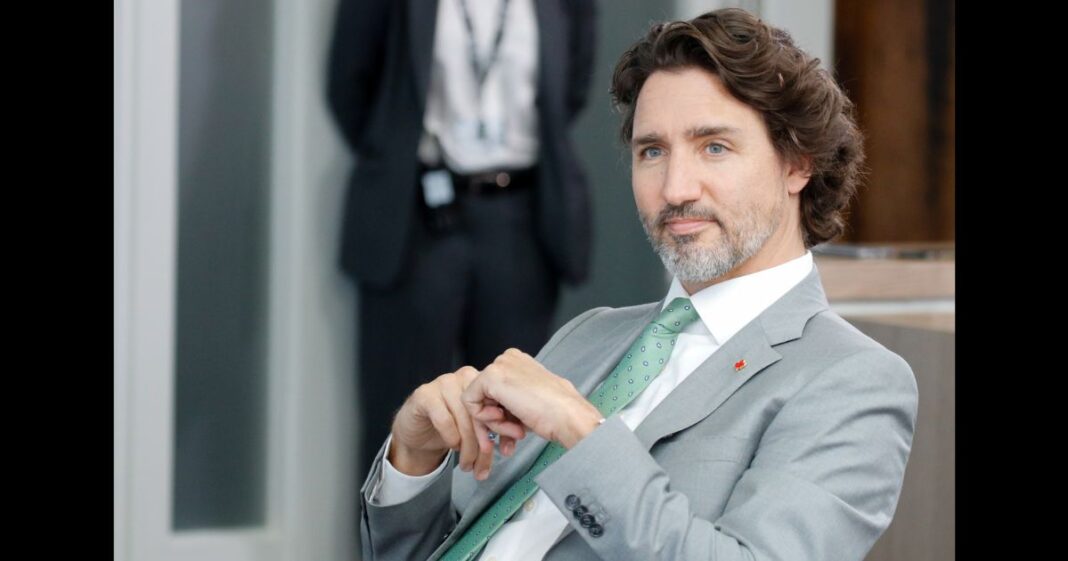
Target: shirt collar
[(726, 307)]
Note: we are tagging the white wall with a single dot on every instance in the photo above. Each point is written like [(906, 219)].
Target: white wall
[(121, 273), (315, 304)]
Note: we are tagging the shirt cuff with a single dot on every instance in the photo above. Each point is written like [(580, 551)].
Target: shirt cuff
[(395, 487)]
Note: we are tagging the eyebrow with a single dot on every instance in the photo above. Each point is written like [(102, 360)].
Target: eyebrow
[(692, 133)]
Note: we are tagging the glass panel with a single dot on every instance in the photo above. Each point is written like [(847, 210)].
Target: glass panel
[(221, 332)]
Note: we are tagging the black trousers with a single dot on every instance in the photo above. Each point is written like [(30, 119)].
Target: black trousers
[(463, 298)]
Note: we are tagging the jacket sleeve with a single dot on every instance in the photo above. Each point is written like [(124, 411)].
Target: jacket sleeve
[(411, 529), (357, 50), (823, 483)]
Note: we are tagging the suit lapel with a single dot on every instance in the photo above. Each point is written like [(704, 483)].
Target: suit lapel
[(586, 375), (703, 391), (422, 22)]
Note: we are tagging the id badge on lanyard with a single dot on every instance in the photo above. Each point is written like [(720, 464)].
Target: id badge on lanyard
[(437, 188)]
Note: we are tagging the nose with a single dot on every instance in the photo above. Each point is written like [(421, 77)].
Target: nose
[(681, 184)]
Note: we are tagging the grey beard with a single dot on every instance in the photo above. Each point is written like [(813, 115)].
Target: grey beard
[(691, 263), (695, 265)]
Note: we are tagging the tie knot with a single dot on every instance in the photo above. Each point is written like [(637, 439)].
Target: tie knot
[(677, 315)]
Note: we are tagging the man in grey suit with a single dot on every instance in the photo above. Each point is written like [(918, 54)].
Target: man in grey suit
[(737, 419)]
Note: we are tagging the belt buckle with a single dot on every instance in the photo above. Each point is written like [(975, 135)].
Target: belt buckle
[(489, 182)]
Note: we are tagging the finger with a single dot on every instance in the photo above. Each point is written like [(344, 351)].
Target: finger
[(468, 442), (467, 374), (442, 420), (514, 352), (470, 377), (510, 429), (510, 418), (474, 395), (490, 413), (507, 445), (485, 451), (472, 398), (501, 421)]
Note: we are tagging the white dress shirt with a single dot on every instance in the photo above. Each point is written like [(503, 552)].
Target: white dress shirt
[(724, 308), (450, 123)]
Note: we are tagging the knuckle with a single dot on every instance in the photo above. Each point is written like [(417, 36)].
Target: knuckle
[(437, 416), (447, 382), (443, 421), (421, 393)]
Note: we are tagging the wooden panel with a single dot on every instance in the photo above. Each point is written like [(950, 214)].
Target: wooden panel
[(886, 279), (944, 322), (896, 61)]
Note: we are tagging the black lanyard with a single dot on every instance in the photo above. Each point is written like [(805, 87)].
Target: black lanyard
[(481, 71)]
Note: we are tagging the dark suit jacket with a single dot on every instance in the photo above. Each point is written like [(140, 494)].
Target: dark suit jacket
[(379, 71)]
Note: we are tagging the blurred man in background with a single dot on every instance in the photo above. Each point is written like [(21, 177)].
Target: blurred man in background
[(467, 206)]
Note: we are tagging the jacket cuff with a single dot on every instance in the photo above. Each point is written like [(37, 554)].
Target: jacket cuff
[(583, 474), (408, 522), (396, 487)]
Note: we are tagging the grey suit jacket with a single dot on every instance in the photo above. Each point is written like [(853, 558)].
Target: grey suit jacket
[(799, 455)]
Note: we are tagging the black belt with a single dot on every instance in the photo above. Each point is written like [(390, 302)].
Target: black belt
[(493, 182), (446, 218)]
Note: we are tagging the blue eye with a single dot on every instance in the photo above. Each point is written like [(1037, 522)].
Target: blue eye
[(652, 152), (721, 147)]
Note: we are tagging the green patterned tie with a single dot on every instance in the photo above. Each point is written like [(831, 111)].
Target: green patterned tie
[(643, 362)]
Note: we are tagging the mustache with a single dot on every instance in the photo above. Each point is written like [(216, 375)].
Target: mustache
[(688, 210)]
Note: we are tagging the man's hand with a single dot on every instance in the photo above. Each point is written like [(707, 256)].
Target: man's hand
[(515, 386), (433, 420)]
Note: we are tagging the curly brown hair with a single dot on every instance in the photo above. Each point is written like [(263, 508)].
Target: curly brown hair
[(806, 113)]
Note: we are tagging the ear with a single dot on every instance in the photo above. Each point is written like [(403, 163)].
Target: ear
[(798, 174)]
